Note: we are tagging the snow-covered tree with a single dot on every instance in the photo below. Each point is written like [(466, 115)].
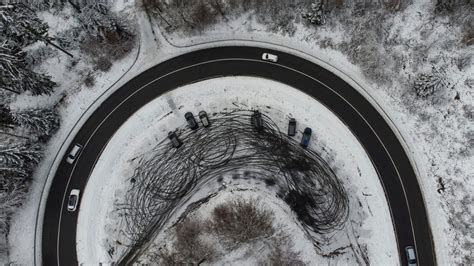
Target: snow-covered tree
[(96, 18), (102, 32), (21, 25), (42, 122), (15, 74), (12, 195), (9, 201), (24, 156), (426, 84), (316, 14)]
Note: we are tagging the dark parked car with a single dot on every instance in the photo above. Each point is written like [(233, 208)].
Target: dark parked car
[(174, 140), (204, 119), (256, 120), (292, 127), (191, 121), (306, 137), (411, 256)]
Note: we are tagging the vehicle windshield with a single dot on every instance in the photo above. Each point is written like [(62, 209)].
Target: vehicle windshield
[(72, 200)]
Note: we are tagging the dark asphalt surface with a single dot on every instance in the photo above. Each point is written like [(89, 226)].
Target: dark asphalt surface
[(387, 154)]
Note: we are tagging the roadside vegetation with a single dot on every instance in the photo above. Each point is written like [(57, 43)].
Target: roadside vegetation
[(244, 228), (30, 97)]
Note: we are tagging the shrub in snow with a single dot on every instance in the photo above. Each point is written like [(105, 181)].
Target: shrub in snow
[(89, 81), (445, 5), (242, 221), (283, 256), (103, 64), (316, 14), (203, 15), (426, 84), (237, 224)]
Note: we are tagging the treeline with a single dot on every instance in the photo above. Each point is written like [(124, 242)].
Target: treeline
[(98, 36), (22, 132)]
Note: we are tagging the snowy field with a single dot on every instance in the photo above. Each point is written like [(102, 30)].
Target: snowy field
[(369, 224), (437, 129)]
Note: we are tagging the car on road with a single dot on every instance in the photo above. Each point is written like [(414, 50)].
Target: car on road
[(256, 120), (306, 137), (269, 57), (73, 200), (292, 127), (72, 156), (411, 255), (204, 119), (191, 121)]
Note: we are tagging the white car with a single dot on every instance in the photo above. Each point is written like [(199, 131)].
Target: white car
[(411, 256), (269, 57), (73, 200), (74, 153)]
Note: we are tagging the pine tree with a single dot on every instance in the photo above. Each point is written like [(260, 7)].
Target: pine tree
[(97, 19), (21, 25), (42, 122), (10, 200), (22, 156), (15, 74)]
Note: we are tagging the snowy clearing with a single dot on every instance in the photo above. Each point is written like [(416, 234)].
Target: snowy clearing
[(371, 223)]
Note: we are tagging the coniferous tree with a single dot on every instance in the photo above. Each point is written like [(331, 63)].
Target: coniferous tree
[(42, 122), (21, 25), (15, 74), (24, 156)]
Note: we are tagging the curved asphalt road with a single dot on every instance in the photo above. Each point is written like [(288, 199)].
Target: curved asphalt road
[(387, 154)]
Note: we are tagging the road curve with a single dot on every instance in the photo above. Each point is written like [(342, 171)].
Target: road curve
[(384, 149)]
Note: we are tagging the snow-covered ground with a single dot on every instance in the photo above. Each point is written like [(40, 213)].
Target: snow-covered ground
[(437, 130), (369, 221)]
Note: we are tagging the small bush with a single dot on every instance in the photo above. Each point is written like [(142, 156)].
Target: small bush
[(188, 245), (316, 14), (89, 81), (426, 84), (203, 15), (103, 64), (242, 221), (283, 257)]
